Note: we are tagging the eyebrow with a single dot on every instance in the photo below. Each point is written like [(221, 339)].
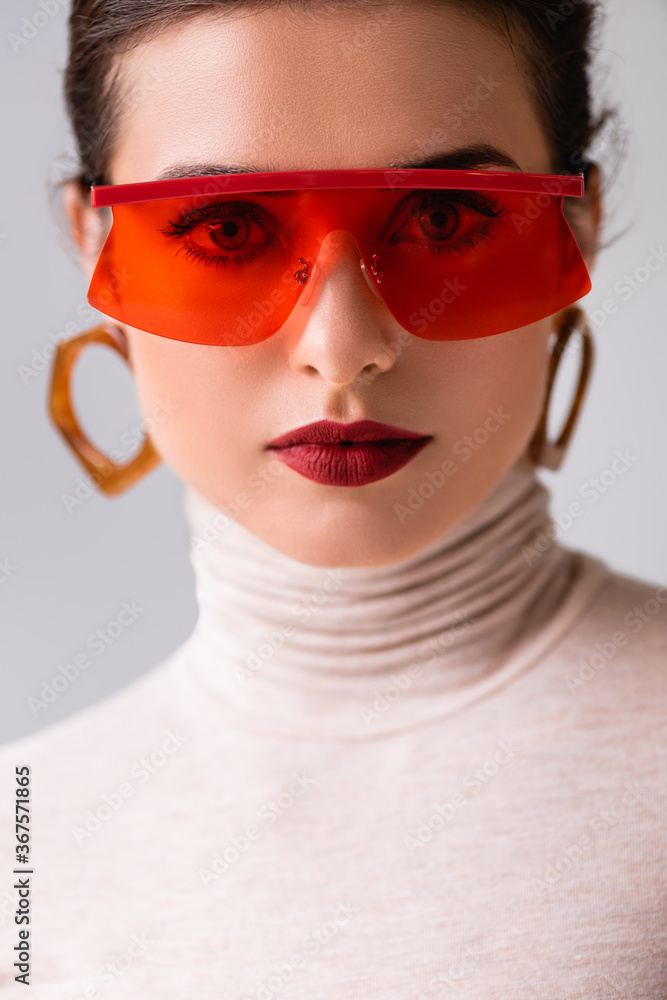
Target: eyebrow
[(203, 170), (472, 157), (466, 158)]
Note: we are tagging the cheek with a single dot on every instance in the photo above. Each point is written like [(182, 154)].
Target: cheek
[(206, 398), (516, 371), (506, 371)]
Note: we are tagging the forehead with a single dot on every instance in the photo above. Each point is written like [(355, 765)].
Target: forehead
[(286, 90)]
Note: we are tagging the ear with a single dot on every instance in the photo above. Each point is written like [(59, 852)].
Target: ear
[(88, 226), (585, 216)]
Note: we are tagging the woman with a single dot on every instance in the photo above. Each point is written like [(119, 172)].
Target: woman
[(410, 747)]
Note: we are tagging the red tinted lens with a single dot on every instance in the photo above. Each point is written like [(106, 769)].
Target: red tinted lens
[(449, 265), (209, 270), (464, 264)]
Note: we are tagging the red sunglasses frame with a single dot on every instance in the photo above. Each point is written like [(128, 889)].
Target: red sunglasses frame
[(568, 185)]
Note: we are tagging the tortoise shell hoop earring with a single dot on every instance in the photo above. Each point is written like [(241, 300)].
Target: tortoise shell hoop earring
[(110, 477), (541, 450)]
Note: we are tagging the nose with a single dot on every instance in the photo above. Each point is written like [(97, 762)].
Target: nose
[(337, 243), (341, 326)]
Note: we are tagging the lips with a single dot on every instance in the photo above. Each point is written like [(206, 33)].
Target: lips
[(354, 454)]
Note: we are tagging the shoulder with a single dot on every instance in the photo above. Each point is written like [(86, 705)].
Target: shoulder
[(628, 607), (77, 758), (621, 634)]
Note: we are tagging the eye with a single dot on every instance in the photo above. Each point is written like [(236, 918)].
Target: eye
[(439, 222), (223, 226), (444, 217), (229, 233)]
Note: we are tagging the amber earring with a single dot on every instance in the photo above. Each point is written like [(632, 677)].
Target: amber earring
[(547, 453), (109, 476)]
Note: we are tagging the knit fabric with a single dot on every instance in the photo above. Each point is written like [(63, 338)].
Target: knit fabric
[(440, 778)]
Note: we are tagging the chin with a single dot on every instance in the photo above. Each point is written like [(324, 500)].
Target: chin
[(329, 553), (356, 537)]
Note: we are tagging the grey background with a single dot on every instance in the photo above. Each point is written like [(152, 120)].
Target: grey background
[(73, 569)]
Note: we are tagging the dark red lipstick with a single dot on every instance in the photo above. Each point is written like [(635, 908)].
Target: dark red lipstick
[(347, 454)]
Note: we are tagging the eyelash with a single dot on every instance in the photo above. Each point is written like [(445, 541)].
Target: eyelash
[(218, 260)]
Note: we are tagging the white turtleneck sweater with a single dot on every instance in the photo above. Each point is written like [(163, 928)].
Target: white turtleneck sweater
[(441, 778)]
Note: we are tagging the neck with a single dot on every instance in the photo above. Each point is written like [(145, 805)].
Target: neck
[(353, 653)]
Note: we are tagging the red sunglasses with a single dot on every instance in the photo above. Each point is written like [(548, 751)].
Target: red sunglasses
[(453, 254)]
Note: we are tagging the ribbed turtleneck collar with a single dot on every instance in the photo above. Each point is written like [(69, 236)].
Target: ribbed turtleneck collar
[(353, 653)]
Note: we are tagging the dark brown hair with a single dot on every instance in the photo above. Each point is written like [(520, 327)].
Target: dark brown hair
[(553, 40)]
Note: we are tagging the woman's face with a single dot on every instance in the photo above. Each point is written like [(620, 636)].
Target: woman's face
[(295, 90)]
